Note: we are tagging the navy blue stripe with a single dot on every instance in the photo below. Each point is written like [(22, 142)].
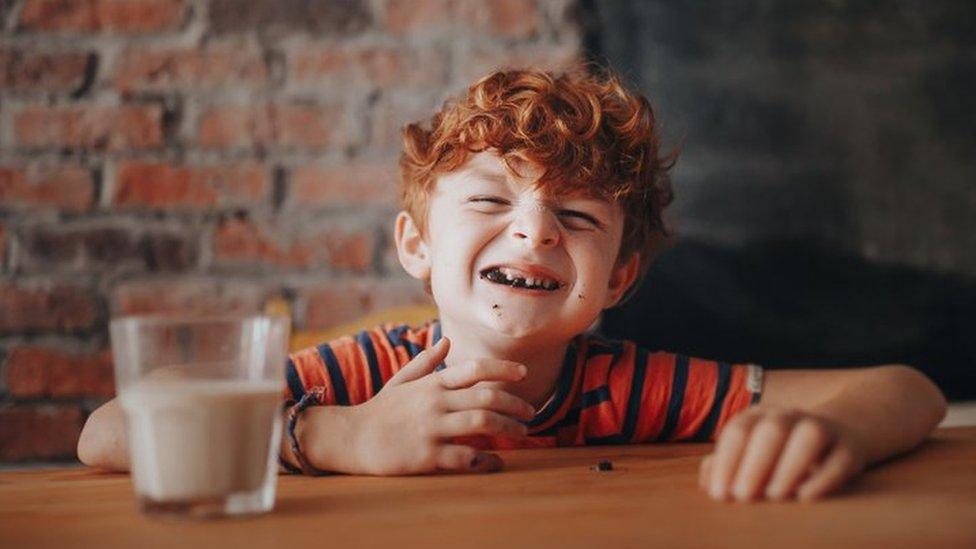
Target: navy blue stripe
[(636, 395), (437, 333), (294, 382), (721, 389), (571, 420), (596, 348), (375, 376), (603, 441), (596, 396), (335, 374), (562, 387), (397, 340), (435, 337), (677, 397)]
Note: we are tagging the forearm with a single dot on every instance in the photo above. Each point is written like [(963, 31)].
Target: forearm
[(891, 408)]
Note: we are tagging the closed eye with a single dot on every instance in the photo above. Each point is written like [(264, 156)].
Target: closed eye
[(492, 199), (581, 215)]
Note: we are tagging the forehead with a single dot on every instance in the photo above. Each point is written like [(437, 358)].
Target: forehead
[(488, 167)]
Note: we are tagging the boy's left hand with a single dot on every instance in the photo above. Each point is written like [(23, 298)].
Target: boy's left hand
[(777, 454)]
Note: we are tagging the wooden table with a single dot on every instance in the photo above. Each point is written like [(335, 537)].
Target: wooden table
[(544, 498)]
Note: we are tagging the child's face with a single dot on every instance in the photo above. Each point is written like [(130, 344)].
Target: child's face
[(483, 217)]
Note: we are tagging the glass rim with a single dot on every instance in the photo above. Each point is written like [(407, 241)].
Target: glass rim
[(178, 318)]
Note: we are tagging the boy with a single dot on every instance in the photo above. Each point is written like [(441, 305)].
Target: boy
[(530, 205)]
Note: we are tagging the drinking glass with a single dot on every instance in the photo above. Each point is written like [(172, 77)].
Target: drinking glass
[(202, 402)]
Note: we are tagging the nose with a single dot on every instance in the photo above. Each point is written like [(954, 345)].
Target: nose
[(536, 227)]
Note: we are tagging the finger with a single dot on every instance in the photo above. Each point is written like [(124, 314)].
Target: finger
[(485, 398), (455, 457), (806, 446), (839, 465), (705, 471), (480, 422), (728, 452), (422, 364), (759, 459), (474, 371)]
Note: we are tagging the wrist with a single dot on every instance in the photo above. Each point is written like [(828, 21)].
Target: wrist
[(325, 434)]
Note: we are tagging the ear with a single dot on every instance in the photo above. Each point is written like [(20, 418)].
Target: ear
[(412, 251), (621, 278)]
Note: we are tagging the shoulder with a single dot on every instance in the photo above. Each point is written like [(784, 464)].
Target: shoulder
[(413, 339)]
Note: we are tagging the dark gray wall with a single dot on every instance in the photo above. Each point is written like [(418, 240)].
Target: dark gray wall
[(826, 194)]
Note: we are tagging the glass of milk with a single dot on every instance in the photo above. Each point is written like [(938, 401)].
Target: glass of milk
[(202, 399)]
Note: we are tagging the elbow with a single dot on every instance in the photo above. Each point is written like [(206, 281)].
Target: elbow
[(91, 449), (99, 444), (88, 450), (919, 388)]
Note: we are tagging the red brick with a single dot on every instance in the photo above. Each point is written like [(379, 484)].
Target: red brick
[(134, 127), (34, 371), (64, 308), (389, 116), (166, 186), (547, 57), (39, 431), (346, 300), (350, 251), (502, 18), (242, 241), (190, 69), (307, 127), (109, 16), (376, 66), (107, 245), (187, 296), (25, 71), (417, 16), (35, 187), (369, 184)]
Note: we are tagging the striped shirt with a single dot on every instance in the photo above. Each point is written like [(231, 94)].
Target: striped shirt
[(608, 392)]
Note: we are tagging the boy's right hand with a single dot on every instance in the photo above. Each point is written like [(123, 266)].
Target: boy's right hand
[(408, 427)]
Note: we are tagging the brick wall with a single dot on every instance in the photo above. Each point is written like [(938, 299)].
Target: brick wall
[(164, 155)]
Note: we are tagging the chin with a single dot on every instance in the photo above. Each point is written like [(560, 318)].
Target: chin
[(528, 326)]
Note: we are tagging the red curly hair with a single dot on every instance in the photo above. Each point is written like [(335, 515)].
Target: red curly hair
[(585, 130)]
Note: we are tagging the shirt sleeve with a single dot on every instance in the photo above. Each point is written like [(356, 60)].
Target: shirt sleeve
[(697, 397), (350, 369), (634, 395)]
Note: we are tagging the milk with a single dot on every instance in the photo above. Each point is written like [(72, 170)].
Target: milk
[(197, 439)]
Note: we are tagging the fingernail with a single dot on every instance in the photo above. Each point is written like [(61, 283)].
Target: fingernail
[(717, 492), (523, 371), (774, 493)]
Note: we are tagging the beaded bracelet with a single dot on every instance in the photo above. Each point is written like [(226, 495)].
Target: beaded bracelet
[(312, 397)]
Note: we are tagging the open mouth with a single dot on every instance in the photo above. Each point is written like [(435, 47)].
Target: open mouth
[(516, 279)]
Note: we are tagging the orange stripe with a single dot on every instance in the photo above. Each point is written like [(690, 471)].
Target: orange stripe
[(385, 355), (592, 419), (354, 369), (620, 383), (656, 394), (311, 371), (737, 399), (699, 396)]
